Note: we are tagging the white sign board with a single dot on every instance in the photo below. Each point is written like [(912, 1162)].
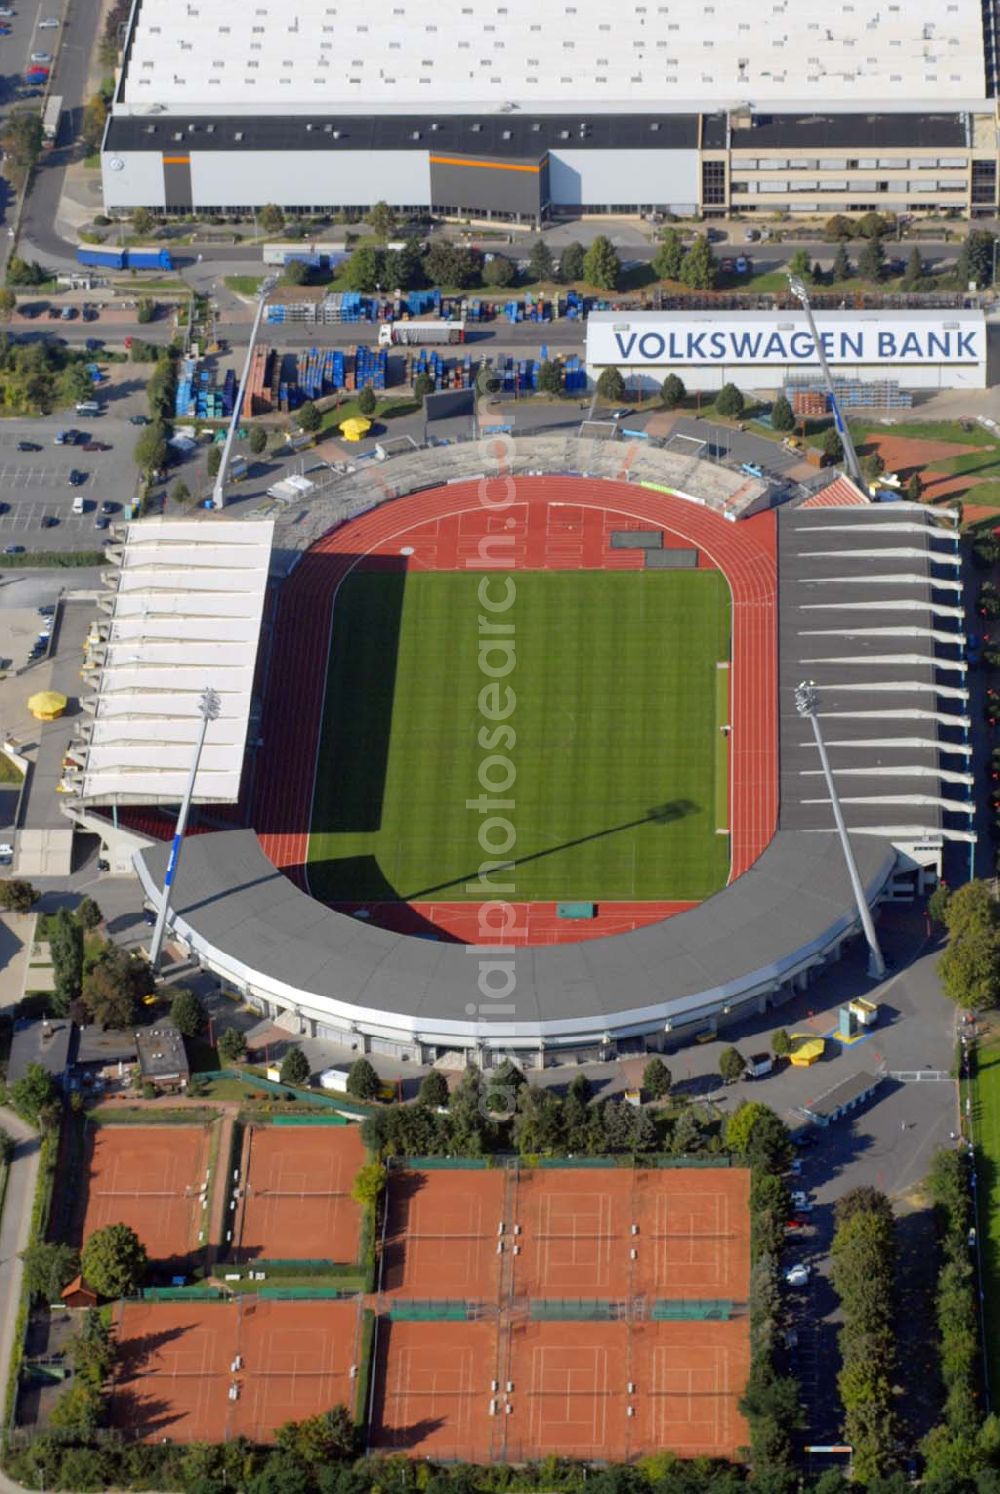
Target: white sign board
[(700, 339)]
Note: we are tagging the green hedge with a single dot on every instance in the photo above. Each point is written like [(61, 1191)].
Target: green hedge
[(52, 560)]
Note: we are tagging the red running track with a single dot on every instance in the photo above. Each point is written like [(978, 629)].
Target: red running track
[(552, 523)]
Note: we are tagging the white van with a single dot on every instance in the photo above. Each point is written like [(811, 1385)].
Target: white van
[(79, 506), (89, 407)]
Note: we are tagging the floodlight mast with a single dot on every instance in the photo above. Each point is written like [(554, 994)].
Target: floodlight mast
[(806, 702), (209, 707), (219, 487), (801, 295)]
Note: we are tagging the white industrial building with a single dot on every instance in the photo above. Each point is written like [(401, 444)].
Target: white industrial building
[(518, 111), (775, 349)]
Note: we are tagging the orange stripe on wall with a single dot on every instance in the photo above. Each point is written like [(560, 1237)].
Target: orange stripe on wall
[(177, 160), (482, 165)]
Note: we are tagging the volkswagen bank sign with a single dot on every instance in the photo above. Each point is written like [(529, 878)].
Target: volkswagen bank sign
[(914, 347)]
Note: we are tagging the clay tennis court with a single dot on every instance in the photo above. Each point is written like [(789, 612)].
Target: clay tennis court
[(150, 1178), (571, 1391), (175, 1366), (442, 1234), (296, 1202), (432, 1389), (618, 1233)]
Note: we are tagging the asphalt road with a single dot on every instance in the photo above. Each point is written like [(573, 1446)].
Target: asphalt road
[(15, 1225)]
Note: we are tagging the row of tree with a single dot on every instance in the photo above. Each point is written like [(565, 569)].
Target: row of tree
[(970, 966), (442, 262), (863, 1258)]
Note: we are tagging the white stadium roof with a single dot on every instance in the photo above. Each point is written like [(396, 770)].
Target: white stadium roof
[(432, 55), (185, 608)]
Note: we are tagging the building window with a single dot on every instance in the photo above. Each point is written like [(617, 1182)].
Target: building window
[(984, 183), (713, 183)]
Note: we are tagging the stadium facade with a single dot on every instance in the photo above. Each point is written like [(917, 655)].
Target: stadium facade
[(518, 112)]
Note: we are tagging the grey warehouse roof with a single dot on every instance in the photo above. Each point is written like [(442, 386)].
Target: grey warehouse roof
[(874, 131), (230, 897)]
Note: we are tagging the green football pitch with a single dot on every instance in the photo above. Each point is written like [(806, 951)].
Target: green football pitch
[(613, 738)]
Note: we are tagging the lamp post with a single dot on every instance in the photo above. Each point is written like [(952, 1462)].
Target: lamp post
[(209, 706), (806, 701), (801, 295), (218, 490)]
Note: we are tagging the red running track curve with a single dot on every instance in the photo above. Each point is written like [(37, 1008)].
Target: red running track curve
[(552, 523)]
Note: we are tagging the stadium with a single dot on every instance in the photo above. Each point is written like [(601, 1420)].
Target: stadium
[(519, 766), (519, 113)]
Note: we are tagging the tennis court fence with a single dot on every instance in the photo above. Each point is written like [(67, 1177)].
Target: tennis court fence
[(452, 1311), (691, 1310), (582, 1310)]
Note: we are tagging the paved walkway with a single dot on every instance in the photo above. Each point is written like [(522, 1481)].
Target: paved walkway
[(14, 1225)]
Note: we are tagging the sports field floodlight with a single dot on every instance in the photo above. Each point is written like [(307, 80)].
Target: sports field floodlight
[(807, 703), (209, 708), (801, 294), (219, 487)]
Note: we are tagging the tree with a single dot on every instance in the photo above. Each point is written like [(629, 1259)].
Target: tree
[(975, 259), (798, 265), (114, 985), (841, 263), (33, 1092), (362, 1080), (295, 1067), (48, 1267), (731, 1065), (540, 261), (187, 1013), (402, 269), (318, 1440), (143, 222), (95, 117), (91, 1350), (915, 487), (145, 310), (151, 447), (7, 1148), (180, 492), (232, 1045), (258, 439), (838, 228), (730, 401), (17, 896), (367, 402), (78, 1411), (610, 386), (872, 466), (781, 1044), (364, 269), (434, 1090), (871, 260), (368, 1184), (757, 1133), (831, 445), (656, 1079), (114, 1261), (271, 218), (8, 304), (873, 226), (672, 391), (66, 953), (450, 264), (972, 906), (669, 255), (698, 268), (689, 1134), (914, 273), (571, 263), (970, 969), (601, 265), (506, 1083), (296, 272), (423, 385), (24, 271), (499, 272), (309, 418), (782, 415), (550, 376), (21, 141), (89, 914), (381, 221)]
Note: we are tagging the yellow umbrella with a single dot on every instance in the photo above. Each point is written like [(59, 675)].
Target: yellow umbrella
[(47, 705), (354, 428)]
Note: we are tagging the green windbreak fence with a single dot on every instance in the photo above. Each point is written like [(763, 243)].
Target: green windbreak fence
[(716, 1161), (430, 1312), (303, 1096), (684, 1311), (183, 1294), (443, 1164), (301, 1293), (565, 1310), (309, 1120), (298, 1268)]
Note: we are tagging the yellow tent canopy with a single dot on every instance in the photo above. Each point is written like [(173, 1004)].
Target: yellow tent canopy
[(47, 705), (355, 427)]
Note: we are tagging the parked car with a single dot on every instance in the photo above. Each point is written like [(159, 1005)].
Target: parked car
[(50, 23), (48, 610), (797, 1275), (76, 477), (801, 1202), (751, 236), (41, 56), (742, 265), (13, 549), (96, 446), (109, 508), (138, 420), (29, 446), (49, 521), (101, 521)]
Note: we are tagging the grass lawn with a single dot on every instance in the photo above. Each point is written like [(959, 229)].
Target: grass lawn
[(986, 1117), (9, 771), (385, 409), (615, 749)]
